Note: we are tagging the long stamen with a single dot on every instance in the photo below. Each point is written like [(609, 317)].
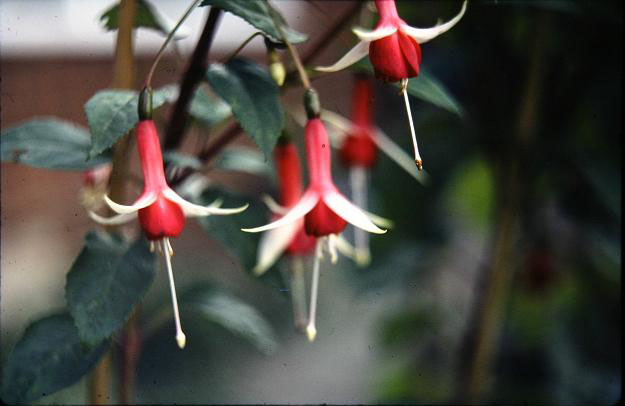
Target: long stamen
[(358, 183), (332, 248), (298, 294), (181, 338), (311, 329), (417, 157)]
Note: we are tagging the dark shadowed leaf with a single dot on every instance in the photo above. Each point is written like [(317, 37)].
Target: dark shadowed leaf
[(425, 87), (48, 357), (105, 283), (146, 16), (49, 143), (112, 113), (208, 110), (253, 98), (258, 14), (244, 160), (217, 306)]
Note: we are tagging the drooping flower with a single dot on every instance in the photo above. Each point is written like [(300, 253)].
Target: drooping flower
[(393, 45), (394, 50), (324, 209), (160, 210)]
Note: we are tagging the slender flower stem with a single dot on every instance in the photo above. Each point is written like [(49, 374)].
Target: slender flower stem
[(311, 329), (417, 156), (192, 76), (181, 338), (298, 293), (123, 69), (236, 51), (171, 34)]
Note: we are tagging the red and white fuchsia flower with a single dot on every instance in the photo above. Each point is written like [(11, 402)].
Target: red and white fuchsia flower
[(394, 50), (323, 208), (160, 210), (291, 238)]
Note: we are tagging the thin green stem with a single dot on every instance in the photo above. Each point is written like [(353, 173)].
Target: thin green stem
[(171, 34), (236, 52)]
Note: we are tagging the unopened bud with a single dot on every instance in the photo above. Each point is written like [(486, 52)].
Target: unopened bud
[(277, 72), (145, 104)]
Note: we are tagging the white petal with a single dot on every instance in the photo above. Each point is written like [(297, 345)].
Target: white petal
[(351, 57), (196, 210), (306, 204), (368, 36), (398, 155), (143, 201), (274, 206), (362, 258), (113, 221), (423, 35), (272, 245), (350, 213), (379, 220)]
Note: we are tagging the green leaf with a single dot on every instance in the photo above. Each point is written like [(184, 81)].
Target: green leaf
[(208, 110), (230, 312), (105, 283), (49, 143), (48, 357), (258, 13), (253, 97), (181, 160), (112, 113), (227, 229), (146, 16), (244, 160), (425, 87)]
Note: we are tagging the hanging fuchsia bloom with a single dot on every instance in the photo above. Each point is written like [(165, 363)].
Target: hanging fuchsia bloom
[(358, 148), (160, 210), (324, 209), (393, 46), (394, 51), (290, 238)]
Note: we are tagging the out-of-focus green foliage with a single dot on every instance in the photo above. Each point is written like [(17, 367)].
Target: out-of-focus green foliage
[(259, 14), (49, 143), (49, 344), (146, 17), (105, 283), (253, 98)]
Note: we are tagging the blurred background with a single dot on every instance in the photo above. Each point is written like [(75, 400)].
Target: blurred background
[(500, 281)]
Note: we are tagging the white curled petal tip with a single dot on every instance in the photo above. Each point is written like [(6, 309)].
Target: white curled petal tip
[(306, 204), (272, 244), (142, 202), (112, 221), (379, 33), (350, 212), (274, 206), (351, 57), (195, 210), (379, 220), (423, 35)]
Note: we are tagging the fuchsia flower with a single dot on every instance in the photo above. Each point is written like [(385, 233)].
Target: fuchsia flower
[(358, 148), (323, 208), (395, 52), (393, 46), (290, 238), (160, 210)]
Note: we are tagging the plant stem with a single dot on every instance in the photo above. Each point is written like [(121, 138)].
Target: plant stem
[(193, 75), (123, 78), (236, 51), (171, 34), (489, 312)]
